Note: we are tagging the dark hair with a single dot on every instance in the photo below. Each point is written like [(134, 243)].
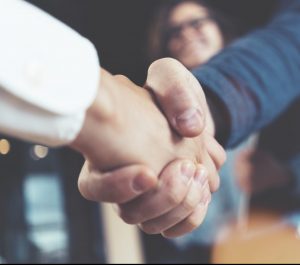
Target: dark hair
[(158, 39)]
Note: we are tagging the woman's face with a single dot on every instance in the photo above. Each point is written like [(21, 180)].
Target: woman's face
[(193, 37)]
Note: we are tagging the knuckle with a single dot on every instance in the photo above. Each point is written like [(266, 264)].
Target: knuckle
[(189, 203), (221, 158), (174, 198), (128, 218), (112, 197), (150, 229), (176, 190), (215, 183), (192, 222), (224, 157), (83, 189), (179, 93)]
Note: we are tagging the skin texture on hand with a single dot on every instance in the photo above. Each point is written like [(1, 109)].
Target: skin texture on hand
[(161, 196), (183, 101), (179, 95), (132, 130), (173, 205)]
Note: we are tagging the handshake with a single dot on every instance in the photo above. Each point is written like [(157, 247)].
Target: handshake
[(151, 150)]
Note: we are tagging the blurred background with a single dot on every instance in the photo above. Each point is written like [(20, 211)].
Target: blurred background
[(44, 219)]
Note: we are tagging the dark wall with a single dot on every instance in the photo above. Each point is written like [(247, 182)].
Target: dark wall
[(118, 28)]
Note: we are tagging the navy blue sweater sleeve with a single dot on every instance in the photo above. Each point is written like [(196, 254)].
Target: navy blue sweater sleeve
[(258, 76)]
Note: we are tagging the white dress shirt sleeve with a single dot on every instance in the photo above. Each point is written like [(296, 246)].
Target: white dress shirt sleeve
[(49, 75)]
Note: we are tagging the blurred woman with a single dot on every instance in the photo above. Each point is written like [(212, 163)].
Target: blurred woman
[(193, 32), (189, 31)]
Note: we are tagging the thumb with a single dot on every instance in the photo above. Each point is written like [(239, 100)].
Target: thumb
[(179, 94), (117, 186)]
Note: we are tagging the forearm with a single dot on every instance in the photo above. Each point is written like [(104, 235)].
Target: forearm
[(48, 75), (255, 78), (115, 134), (31, 123), (101, 111)]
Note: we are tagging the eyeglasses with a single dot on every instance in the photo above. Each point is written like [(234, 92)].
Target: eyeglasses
[(196, 24)]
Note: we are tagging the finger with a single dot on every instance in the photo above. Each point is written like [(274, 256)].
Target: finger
[(118, 186), (218, 157), (179, 94), (213, 175), (198, 192), (189, 224), (173, 185), (215, 151)]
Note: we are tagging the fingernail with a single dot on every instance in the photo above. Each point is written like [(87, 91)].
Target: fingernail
[(140, 184), (190, 118), (188, 170), (201, 176)]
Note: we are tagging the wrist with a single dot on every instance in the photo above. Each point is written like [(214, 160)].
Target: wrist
[(100, 110), (85, 137)]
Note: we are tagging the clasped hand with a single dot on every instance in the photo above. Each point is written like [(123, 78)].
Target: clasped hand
[(153, 154)]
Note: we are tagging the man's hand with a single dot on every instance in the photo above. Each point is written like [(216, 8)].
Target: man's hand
[(128, 129), (180, 96), (120, 186), (175, 204), (182, 99)]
